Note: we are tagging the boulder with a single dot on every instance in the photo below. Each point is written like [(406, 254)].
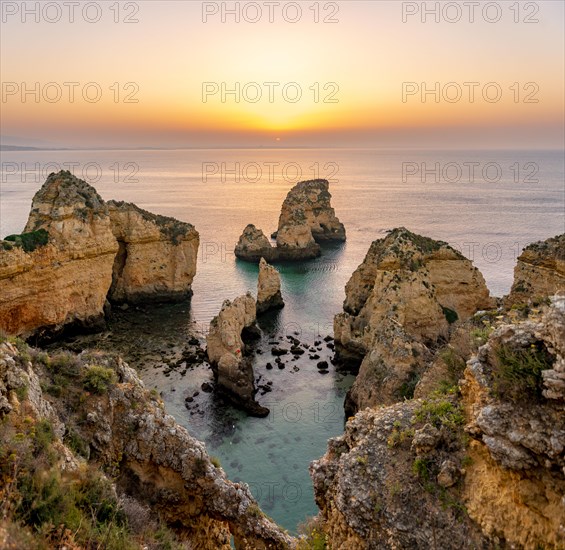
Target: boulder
[(268, 288)]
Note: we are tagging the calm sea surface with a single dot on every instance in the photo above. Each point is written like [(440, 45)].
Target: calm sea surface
[(513, 198)]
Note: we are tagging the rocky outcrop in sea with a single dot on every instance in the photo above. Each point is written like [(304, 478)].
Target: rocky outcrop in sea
[(402, 302), (77, 251), (307, 218), (268, 288), (226, 349)]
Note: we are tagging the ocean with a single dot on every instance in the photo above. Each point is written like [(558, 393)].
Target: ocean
[(487, 204)]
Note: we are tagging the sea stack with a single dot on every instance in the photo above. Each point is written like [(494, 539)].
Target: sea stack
[(77, 252), (268, 288), (307, 219), (227, 353)]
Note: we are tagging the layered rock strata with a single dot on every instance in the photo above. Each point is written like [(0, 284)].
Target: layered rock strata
[(227, 353), (268, 288), (92, 251), (307, 218), (403, 299), (539, 271)]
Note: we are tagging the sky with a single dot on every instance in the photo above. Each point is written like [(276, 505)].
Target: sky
[(151, 74)]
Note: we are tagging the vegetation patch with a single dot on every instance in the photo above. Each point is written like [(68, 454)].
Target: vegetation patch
[(29, 241), (98, 379), (517, 372)]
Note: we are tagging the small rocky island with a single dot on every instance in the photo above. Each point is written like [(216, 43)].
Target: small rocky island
[(307, 219)]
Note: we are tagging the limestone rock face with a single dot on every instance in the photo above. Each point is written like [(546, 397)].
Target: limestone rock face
[(157, 255), (268, 288), (254, 245), (152, 458), (539, 272), (307, 218), (93, 249), (369, 495), (400, 300), (516, 481), (226, 352), (308, 202), (296, 242), (66, 281)]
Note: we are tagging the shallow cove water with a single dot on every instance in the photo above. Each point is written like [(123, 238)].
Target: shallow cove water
[(488, 221)]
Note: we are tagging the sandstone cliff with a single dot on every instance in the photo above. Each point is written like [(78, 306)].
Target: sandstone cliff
[(514, 396), (93, 250), (539, 271), (308, 202), (400, 302), (227, 353), (407, 475), (105, 420), (65, 281), (157, 255), (268, 288), (307, 218)]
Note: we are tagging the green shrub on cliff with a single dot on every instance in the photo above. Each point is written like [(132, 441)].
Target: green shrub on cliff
[(29, 241), (98, 379)]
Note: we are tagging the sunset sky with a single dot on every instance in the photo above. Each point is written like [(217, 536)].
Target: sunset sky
[(364, 59)]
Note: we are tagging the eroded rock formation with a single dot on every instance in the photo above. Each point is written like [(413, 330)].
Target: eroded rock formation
[(309, 203), (226, 351), (539, 271), (307, 218), (157, 256), (66, 281), (268, 288), (407, 476), (120, 426), (514, 395), (92, 251), (400, 301)]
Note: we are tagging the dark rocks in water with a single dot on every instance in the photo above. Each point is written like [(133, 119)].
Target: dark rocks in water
[(189, 399), (317, 343), (314, 357), (322, 365), (323, 371), (196, 394), (296, 350), (268, 366), (296, 333), (259, 351), (278, 351), (194, 341), (330, 346), (281, 365), (207, 387), (328, 338)]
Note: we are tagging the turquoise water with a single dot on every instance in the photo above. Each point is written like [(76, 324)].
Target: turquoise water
[(489, 221)]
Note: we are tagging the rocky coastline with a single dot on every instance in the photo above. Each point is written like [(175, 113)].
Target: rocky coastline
[(456, 428)]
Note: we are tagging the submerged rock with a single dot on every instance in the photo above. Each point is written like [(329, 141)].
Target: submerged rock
[(226, 348), (268, 288)]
